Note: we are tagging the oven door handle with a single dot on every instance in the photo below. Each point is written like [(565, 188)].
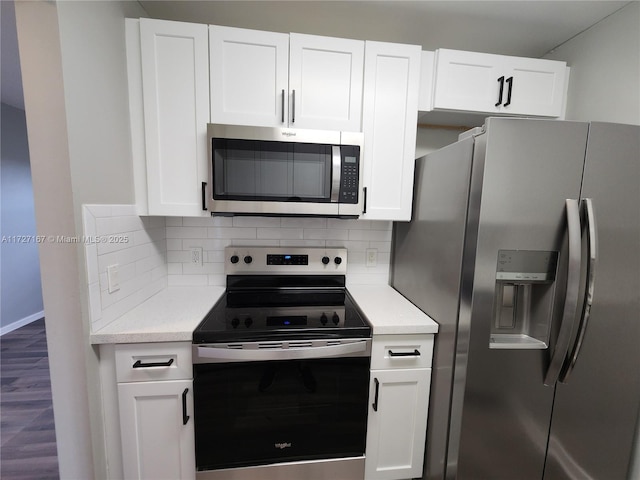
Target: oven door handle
[(294, 353)]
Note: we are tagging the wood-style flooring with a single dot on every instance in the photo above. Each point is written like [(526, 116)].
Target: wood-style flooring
[(27, 434)]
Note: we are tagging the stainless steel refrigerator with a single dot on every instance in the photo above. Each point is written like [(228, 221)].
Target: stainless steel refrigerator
[(525, 247)]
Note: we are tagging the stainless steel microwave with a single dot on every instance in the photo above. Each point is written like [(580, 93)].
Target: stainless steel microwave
[(280, 171)]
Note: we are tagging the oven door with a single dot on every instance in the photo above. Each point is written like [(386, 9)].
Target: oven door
[(261, 412)]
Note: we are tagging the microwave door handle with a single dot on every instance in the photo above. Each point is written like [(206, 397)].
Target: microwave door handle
[(570, 306), (335, 173)]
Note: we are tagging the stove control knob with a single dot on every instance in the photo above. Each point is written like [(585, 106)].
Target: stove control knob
[(338, 260), (248, 322), (335, 319), (235, 322), (248, 259), (234, 259), (325, 260), (323, 319)]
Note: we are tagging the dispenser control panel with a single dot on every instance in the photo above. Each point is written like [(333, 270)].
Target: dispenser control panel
[(526, 266)]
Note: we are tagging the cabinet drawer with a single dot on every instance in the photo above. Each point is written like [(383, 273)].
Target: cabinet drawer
[(401, 351), (141, 362)]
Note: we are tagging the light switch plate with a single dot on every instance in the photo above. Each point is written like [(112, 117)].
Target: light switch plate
[(113, 278), (371, 257)]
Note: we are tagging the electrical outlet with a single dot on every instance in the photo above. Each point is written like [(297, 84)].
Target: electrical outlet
[(196, 256), (113, 278), (371, 257)]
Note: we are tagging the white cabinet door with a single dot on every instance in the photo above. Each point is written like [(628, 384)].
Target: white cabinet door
[(397, 424), (499, 84), (325, 82), (466, 81), (390, 115), (538, 87), (175, 86), (249, 72), (157, 443)]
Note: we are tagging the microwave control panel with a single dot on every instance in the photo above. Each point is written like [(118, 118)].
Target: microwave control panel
[(349, 176)]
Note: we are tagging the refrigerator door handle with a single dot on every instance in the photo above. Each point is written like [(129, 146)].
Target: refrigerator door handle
[(592, 245), (569, 309)]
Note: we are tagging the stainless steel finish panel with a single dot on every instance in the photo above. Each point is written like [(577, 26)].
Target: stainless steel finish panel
[(596, 412), (426, 269), (275, 208), (503, 408), (259, 266), (280, 350), (274, 134), (337, 469)]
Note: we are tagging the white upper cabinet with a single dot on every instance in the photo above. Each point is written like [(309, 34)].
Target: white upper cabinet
[(249, 72), (390, 110), (167, 64), (479, 82), (325, 80), (278, 80)]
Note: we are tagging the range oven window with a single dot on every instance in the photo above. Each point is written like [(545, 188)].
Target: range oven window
[(270, 170), (257, 413)]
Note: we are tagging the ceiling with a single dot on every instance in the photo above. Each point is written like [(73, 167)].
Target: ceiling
[(510, 27)]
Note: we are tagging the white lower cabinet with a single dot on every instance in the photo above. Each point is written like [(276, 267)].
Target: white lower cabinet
[(157, 430), (398, 406), (155, 398)]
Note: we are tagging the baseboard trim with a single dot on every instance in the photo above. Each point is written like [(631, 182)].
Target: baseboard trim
[(21, 323)]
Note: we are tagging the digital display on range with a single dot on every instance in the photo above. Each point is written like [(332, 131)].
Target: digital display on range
[(287, 259), (286, 321)]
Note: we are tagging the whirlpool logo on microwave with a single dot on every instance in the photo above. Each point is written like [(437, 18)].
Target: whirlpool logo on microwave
[(289, 134), (283, 445)]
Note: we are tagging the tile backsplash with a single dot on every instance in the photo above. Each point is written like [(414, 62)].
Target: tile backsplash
[(212, 235), (153, 252), (116, 235)]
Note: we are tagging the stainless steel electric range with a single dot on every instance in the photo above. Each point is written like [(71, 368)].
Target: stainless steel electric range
[(281, 369)]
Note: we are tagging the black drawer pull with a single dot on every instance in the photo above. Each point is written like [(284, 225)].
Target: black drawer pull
[(139, 364), (185, 417), (415, 353)]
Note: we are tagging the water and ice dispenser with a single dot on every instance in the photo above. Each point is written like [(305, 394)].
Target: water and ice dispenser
[(523, 301)]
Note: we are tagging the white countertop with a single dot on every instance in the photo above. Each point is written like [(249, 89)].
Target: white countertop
[(389, 312), (172, 314), (169, 316)]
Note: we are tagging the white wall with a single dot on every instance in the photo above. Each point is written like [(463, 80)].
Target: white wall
[(75, 86), (604, 84), (20, 291)]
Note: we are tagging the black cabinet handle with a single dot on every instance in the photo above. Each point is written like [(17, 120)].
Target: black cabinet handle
[(283, 105), (375, 398), (510, 82), (415, 353), (185, 417), (139, 364), (293, 107), (364, 207), (501, 82), (204, 196)]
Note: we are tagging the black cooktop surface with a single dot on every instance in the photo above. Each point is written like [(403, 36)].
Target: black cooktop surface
[(282, 307)]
